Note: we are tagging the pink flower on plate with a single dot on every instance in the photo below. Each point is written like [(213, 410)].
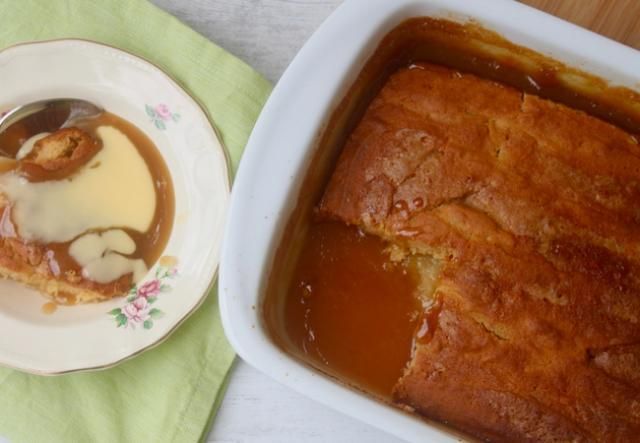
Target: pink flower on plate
[(137, 311), (163, 112), (149, 289), (139, 308)]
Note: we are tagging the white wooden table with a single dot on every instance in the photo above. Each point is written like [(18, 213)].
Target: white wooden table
[(267, 34)]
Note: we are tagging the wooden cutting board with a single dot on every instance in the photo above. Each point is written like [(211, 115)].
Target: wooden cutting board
[(616, 19)]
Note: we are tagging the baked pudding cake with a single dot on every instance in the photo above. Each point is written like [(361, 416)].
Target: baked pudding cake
[(84, 211), (523, 214)]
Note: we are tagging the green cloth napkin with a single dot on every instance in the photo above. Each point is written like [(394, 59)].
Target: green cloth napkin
[(171, 393)]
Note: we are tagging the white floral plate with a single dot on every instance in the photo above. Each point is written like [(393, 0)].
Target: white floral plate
[(99, 335)]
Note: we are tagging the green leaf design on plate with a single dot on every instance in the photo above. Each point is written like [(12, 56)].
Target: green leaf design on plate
[(148, 324), (160, 124), (152, 300), (121, 319), (115, 311), (165, 288), (175, 117), (156, 313), (150, 112)]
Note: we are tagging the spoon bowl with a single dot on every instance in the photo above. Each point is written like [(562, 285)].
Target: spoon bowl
[(24, 121)]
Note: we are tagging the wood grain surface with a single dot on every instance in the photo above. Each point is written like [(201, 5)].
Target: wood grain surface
[(616, 19)]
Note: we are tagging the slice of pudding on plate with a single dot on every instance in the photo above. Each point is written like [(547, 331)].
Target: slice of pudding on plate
[(84, 211)]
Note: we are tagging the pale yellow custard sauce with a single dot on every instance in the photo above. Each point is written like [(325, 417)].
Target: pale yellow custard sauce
[(110, 218)]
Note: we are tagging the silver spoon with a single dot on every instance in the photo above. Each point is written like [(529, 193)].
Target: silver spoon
[(73, 108), (45, 116)]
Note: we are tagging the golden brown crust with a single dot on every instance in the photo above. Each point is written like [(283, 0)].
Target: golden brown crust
[(37, 265), (67, 289), (532, 209)]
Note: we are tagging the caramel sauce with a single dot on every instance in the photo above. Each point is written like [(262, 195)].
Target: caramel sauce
[(49, 308), (149, 244), (168, 261), (350, 310), (334, 298)]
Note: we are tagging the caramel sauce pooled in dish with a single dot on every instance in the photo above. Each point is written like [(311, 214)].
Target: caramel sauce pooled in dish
[(348, 305)]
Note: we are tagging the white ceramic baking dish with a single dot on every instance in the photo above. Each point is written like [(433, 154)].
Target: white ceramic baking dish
[(281, 147)]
